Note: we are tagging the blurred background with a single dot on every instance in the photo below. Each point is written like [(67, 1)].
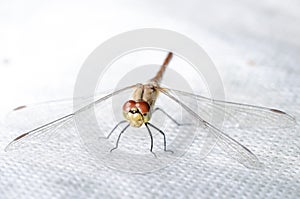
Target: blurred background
[(255, 46)]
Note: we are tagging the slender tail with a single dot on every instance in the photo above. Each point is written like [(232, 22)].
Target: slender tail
[(158, 77)]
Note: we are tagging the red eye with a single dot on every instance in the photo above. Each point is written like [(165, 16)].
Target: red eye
[(128, 105), (143, 107)]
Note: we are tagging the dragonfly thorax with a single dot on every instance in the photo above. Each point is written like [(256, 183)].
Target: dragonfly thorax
[(136, 112)]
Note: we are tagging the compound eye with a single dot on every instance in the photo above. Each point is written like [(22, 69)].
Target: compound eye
[(129, 105), (143, 107)]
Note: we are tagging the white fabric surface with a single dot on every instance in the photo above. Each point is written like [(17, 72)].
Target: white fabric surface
[(255, 46)]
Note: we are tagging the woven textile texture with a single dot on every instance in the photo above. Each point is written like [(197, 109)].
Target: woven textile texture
[(254, 45)]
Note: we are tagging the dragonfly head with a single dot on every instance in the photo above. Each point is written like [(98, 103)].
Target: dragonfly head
[(136, 112)]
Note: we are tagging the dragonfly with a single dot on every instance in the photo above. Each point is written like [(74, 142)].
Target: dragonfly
[(139, 110)]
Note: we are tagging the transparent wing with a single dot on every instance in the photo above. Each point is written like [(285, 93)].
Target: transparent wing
[(236, 150), (25, 117), (237, 115), (39, 132), (50, 127)]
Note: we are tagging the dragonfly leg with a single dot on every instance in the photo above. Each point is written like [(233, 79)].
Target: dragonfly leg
[(165, 140), (107, 137), (169, 116), (117, 143), (151, 137)]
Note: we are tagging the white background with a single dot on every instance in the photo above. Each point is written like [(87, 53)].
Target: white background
[(254, 44)]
